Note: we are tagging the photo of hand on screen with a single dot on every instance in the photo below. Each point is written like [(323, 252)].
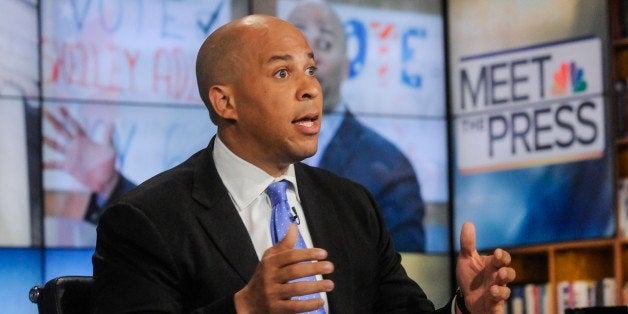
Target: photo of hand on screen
[(348, 147), (91, 163)]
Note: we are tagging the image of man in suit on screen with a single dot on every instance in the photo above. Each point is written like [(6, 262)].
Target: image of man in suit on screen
[(346, 146), (351, 149)]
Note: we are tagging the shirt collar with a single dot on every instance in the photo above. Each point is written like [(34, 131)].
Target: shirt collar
[(245, 181)]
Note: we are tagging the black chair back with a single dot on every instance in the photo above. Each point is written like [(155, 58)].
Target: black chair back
[(599, 310), (64, 295)]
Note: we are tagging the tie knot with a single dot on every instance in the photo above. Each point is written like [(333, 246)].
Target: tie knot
[(277, 192)]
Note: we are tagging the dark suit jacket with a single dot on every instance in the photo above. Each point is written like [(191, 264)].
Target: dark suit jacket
[(95, 210), (358, 153), (177, 244)]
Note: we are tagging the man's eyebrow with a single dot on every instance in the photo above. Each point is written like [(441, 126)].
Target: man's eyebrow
[(279, 58), (328, 31), (325, 30), (287, 57)]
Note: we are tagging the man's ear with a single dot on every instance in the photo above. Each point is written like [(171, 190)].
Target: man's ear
[(222, 102)]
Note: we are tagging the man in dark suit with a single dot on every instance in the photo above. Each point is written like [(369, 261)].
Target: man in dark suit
[(196, 238), (349, 148)]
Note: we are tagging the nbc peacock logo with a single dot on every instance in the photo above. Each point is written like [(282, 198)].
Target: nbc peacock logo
[(568, 75)]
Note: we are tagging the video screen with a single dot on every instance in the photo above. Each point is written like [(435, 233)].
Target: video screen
[(382, 71), (20, 193), (121, 102), (96, 152), (533, 158)]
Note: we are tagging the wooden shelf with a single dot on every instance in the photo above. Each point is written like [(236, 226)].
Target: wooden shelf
[(579, 244), (531, 267), (618, 261), (586, 259), (621, 142), (586, 263), (532, 262), (621, 43)]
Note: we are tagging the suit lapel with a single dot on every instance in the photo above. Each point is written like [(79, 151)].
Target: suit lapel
[(324, 226), (220, 218)]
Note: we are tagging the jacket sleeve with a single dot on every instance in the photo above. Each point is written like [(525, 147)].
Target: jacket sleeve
[(396, 292)]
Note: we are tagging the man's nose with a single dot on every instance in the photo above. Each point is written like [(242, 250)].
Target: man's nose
[(310, 88)]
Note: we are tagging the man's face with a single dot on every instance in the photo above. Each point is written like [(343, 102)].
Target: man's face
[(278, 99), (325, 35)]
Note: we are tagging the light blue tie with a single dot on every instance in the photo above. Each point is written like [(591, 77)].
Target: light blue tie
[(281, 218)]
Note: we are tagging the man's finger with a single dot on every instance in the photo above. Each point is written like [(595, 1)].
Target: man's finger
[(302, 269), (78, 128), (283, 253), (504, 276), (501, 258), (290, 240), (53, 164), (57, 124), (282, 257), (499, 293), (287, 243), (300, 306), (300, 288), (467, 239), (54, 145)]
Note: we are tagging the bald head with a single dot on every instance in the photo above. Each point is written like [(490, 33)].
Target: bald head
[(220, 57), (322, 16)]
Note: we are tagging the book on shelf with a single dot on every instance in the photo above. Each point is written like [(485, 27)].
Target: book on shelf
[(621, 106), (608, 292), (517, 301), (573, 294), (622, 205), (624, 293), (529, 298), (586, 293), (536, 298)]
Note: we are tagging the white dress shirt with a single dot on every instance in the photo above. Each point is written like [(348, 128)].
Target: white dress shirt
[(247, 185)]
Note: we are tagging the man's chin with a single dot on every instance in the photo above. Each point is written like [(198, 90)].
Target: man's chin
[(306, 153)]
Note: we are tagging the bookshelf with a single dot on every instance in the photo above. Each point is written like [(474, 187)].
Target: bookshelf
[(554, 263), (590, 259), (618, 50)]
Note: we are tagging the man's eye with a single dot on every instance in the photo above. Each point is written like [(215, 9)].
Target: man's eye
[(323, 44), (311, 71), (283, 73)]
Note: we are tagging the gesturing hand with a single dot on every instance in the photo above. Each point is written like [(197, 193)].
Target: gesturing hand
[(269, 290), (483, 279), (91, 163)]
